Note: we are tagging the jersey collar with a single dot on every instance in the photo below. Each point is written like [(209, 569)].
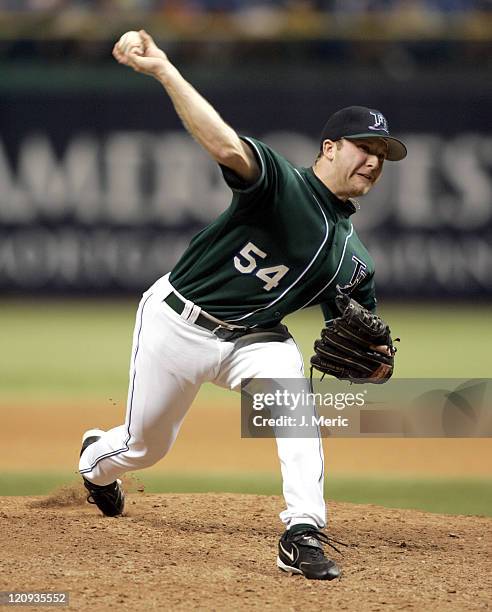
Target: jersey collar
[(327, 197)]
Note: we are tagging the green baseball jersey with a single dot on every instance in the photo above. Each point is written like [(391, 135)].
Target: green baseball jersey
[(283, 244)]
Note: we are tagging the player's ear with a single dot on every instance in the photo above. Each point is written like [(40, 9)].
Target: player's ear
[(329, 148)]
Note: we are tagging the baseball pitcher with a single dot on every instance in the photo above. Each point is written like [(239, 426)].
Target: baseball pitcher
[(285, 242)]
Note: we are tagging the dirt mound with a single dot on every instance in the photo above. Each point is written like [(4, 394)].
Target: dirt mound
[(215, 552)]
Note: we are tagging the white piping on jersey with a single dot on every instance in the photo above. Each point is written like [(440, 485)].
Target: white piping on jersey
[(327, 231), (336, 272), (262, 169)]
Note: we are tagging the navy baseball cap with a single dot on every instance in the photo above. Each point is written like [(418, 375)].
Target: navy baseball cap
[(361, 122)]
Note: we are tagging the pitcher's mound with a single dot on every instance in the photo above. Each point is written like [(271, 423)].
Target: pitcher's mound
[(217, 552)]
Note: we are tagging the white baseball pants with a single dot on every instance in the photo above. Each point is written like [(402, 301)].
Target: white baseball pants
[(171, 358)]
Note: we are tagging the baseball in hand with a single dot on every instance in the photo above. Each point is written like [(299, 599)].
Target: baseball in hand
[(130, 42)]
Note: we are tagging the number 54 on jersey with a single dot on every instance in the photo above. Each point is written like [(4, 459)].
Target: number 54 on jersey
[(246, 263)]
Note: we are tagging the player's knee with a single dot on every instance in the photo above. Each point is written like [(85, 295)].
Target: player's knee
[(146, 455)]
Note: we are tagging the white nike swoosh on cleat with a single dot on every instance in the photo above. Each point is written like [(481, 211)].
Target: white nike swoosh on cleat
[(289, 554), (287, 568)]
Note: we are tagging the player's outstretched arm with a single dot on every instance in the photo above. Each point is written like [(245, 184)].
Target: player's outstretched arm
[(202, 121)]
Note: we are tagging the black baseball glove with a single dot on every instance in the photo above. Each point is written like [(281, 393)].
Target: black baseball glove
[(348, 347)]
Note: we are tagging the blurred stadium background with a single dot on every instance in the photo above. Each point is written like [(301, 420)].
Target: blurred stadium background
[(101, 190)]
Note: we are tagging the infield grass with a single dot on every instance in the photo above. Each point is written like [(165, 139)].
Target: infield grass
[(443, 495), (81, 349)]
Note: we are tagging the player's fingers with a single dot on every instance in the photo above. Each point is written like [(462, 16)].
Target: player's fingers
[(122, 60), (127, 57), (132, 61), (149, 44), (147, 38), (117, 53), (117, 56), (139, 63), (135, 50)]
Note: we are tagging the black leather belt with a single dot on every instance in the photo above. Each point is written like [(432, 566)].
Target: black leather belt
[(224, 333)]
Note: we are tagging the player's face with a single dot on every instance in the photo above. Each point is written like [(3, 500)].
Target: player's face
[(359, 164)]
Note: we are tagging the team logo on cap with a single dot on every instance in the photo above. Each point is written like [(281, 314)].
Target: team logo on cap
[(380, 122)]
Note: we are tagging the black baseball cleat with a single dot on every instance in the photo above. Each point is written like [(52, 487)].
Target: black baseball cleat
[(300, 551), (110, 498)]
